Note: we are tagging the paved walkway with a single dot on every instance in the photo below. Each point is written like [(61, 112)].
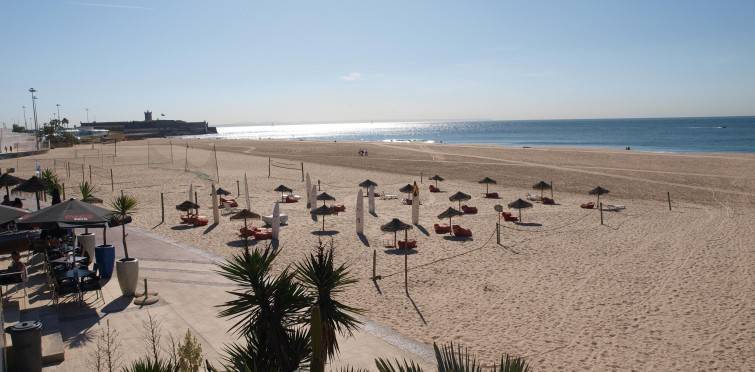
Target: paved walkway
[(189, 292)]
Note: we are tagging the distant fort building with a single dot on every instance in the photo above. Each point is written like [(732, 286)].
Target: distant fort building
[(150, 128)]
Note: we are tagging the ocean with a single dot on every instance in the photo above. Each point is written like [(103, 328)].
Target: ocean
[(708, 134)]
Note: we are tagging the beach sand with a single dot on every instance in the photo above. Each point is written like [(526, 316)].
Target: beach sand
[(650, 289)]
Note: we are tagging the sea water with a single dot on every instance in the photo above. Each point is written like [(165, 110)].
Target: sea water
[(708, 134)]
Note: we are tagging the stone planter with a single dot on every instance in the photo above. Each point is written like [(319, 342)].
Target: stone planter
[(128, 275), (86, 240)]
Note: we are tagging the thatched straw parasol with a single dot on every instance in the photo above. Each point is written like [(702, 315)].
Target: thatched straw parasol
[(35, 185), (487, 181), (407, 189), (325, 197), (395, 226), (283, 189), (437, 178), (245, 214), (222, 192), (7, 180), (450, 213), (187, 206), (520, 204), (598, 191), (459, 197), (542, 185), (366, 184), (323, 211)]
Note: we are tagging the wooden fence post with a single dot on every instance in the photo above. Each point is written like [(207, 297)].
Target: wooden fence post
[(64, 191), (162, 207), (83, 173), (302, 171), (600, 206), (374, 264), (112, 183), (238, 189), (269, 162), (668, 195), (90, 173), (406, 274)]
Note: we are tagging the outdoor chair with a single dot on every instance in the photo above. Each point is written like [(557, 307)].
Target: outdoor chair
[(468, 210), (442, 228), (461, 232), (63, 288), (411, 243), (91, 283), (17, 278)]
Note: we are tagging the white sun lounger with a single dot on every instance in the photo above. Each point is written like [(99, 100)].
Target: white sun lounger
[(388, 197)]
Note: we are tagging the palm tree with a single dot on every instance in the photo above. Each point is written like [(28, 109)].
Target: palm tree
[(123, 206), (458, 359), (268, 309), (324, 281)]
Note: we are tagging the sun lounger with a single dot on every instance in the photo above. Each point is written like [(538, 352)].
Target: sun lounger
[(589, 205), (388, 243), (402, 244), (201, 221), (531, 197), (388, 197), (468, 210), (442, 228), (434, 189), (290, 199), (339, 208), (613, 207), (263, 234), (246, 232), (492, 195), (230, 202), (461, 232), (508, 217), (548, 201)]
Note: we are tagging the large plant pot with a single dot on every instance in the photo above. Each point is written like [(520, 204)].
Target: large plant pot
[(86, 240), (128, 275), (105, 258)]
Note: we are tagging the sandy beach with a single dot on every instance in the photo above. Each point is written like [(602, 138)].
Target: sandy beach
[(650, 289)]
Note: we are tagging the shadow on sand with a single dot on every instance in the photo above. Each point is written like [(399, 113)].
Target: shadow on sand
[(363, 239), (325, 233)]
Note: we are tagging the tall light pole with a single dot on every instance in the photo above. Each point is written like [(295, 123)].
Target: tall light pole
[(87, 114), (25, 124), (58, 106), (36, 125)]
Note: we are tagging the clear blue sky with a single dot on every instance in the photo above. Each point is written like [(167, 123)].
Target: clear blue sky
[(260, 61)]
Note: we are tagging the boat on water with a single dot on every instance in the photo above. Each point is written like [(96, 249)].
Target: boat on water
[(87, 133)]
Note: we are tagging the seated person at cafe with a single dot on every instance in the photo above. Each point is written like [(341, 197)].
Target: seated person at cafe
[(16, 266), (17, 203), (6, 200)]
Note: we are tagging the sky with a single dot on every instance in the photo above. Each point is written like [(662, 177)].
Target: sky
[(244, 61)]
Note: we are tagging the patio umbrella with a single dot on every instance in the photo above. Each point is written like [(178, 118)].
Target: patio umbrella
[(459, 197), (7, 180), (450, 213), (323, 211), (187, 206), (35, 185), (542, 185), (70, 213), (325, 197), (437, 178), (366, 184), (395, 226), (407, 189), (487, 181), (8, 214), (283, 189), (222, 192), (598, 191), (520, 204), (245, 214)]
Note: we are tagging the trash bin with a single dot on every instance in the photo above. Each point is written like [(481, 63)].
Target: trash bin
[(27, 345), (104, 255)]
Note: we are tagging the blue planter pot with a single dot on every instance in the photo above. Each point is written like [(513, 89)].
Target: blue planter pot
[(104, 255)]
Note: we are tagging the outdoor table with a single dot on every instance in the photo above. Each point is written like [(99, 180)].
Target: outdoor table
[(68, 260), (77, 272)]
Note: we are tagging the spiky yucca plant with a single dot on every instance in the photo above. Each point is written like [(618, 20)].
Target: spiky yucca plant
[(123, 206), (455, 359), (87, 190), (324, 282), (151, 365)]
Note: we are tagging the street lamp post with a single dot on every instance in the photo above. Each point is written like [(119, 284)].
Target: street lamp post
[(26, 126), (87, 114), (58, 106), (36, 125)]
